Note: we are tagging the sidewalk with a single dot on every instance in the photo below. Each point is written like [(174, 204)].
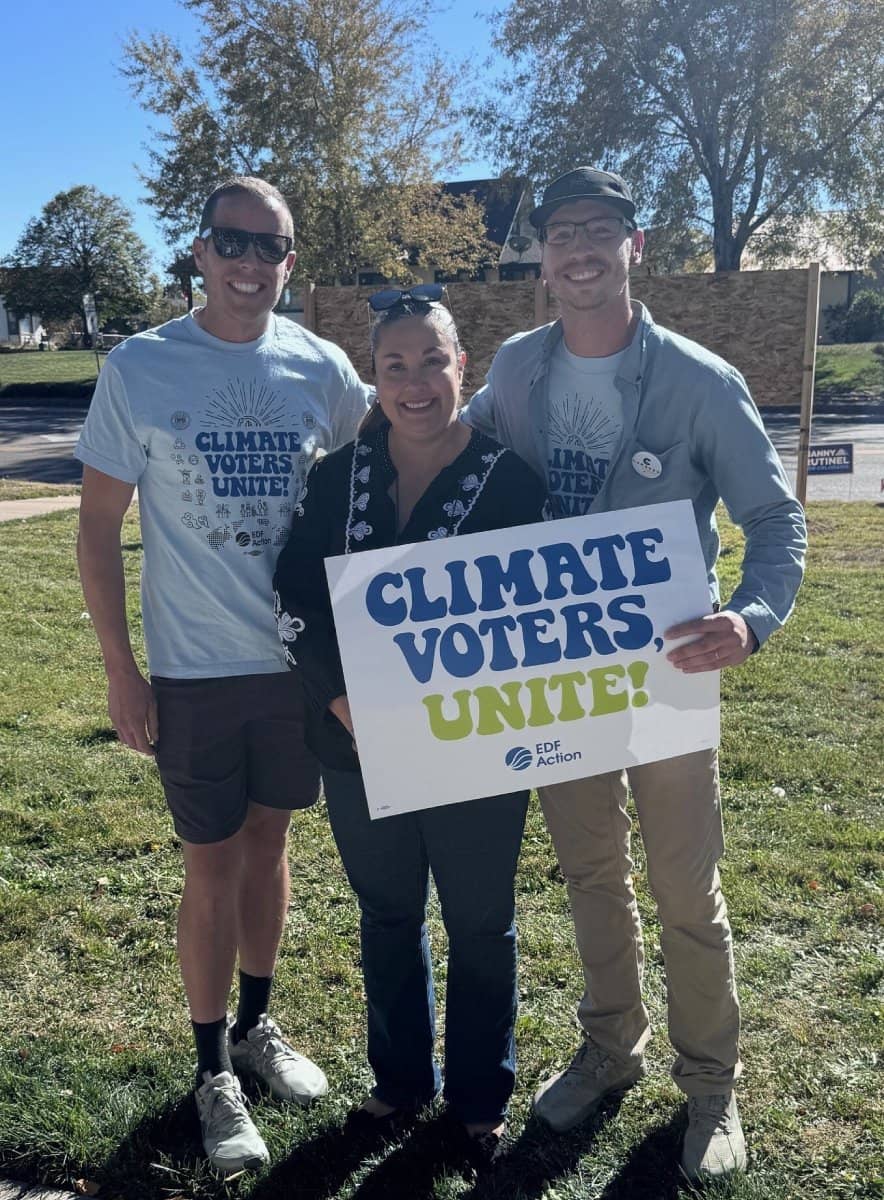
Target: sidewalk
[(19, 510), (25, 1191)]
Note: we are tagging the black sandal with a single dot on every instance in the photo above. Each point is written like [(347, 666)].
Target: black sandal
[(362, 1123), (478, 1151), (486, 1149)]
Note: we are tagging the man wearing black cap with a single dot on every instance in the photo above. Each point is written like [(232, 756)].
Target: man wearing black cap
[(616, 411)]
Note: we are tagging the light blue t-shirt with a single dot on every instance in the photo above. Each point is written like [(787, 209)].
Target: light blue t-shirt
[(585, 424), (218, 436)]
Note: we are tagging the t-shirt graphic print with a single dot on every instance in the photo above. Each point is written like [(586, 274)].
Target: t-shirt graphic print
[(241, 462), (585, 421)]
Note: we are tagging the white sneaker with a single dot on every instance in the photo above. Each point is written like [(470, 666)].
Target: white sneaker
[(714, 1143), (574, 1094), (230, 1140), (265, 1053)]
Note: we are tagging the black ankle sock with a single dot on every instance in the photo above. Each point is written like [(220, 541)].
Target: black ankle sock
[(254, 996), (211, 1047)]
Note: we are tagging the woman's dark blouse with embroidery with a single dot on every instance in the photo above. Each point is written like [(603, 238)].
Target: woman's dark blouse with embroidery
[(346, 507)]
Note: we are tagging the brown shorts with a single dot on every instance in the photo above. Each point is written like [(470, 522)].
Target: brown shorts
[(225, 743)]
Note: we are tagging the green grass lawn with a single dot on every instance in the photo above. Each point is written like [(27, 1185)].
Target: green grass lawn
[(15, 489), (55, 372), (849, 368), (95, 1050), (839, 369)]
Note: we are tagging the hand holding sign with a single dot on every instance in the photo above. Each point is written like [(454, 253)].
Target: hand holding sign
[(723, 639)]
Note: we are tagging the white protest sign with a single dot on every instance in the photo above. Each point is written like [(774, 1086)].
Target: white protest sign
[(498, 661)]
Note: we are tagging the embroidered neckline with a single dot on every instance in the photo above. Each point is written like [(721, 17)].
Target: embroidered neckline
[(361, 530), (456, 510)]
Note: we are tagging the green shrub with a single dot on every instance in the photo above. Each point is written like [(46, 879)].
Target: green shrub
[(865, 317)]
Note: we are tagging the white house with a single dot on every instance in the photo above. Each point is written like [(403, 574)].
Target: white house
[(19, 330)]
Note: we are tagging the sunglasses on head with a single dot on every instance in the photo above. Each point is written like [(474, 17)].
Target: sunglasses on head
[(426, 293), (233, 243)]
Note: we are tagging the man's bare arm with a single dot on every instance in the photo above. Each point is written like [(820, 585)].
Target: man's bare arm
[(131, 704)]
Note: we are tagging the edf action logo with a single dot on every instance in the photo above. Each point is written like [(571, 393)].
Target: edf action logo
[(546, 754)]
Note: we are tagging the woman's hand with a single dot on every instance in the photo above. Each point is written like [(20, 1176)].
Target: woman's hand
[(340, 707)]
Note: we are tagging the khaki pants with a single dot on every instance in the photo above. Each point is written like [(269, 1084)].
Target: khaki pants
[(679, 810)]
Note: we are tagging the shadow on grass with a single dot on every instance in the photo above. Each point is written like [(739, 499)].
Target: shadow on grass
[(434, 1151), (651, 1171), (320, 1167), (157, 1155), (96, 737), (538, 1158), (412, 1168)]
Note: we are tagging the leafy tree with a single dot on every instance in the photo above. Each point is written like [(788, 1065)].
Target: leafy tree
[(83, 241), (161, 302), (337, 103), (182, 269), (739, 113)]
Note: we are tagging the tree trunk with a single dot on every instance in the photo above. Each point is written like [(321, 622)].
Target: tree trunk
[(725, 248), (727, 252)]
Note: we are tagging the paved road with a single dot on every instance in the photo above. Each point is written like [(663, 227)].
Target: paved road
[(860, 423), (36, 443)]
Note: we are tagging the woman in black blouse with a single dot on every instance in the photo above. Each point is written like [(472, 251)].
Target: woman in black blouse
[(415, 472)]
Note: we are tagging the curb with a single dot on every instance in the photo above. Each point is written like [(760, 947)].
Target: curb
[(42, 400)]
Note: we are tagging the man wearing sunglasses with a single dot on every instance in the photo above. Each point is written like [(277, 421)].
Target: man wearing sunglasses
[(216, 417), (617, 412)]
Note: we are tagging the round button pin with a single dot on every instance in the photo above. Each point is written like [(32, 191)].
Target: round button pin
[(646, 464)]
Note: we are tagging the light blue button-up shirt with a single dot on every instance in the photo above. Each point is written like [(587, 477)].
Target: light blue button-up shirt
[(693, 412)]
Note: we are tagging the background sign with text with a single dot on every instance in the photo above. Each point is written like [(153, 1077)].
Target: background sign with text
[(829, 459)]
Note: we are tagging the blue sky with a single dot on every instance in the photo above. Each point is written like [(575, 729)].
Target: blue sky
[(69, 118)]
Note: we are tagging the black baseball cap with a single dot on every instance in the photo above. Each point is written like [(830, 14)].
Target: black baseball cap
[(585, 183)]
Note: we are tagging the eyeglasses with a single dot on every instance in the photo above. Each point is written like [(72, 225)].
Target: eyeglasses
[(597, 229), (233, 243), (426, 293)]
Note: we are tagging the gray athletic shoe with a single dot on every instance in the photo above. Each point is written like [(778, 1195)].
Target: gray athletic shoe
[(573, 1095), (714, 1143), (230, 1140), (265, 1053)]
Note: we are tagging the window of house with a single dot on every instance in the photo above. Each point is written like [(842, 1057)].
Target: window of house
[(372, 279), (514, 272), (458, 276), (11, 323)]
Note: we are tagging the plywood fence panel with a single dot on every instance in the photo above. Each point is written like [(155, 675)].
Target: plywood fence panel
[(487, 314), (754, 319), (342, 317)]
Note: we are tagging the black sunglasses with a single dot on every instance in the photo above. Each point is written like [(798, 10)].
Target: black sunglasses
[(233, 243), (426, 293)]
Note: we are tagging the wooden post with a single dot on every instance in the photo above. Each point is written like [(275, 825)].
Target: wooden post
[(541, 303), (310, 306), (807, 379)]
